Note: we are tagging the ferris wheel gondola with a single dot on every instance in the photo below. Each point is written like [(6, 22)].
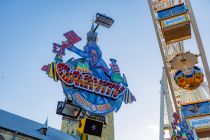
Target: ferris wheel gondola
[(175, 23), (190, 80), (184, 61)]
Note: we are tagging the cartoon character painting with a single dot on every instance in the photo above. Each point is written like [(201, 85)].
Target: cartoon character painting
[(93, 55), (88, 81)]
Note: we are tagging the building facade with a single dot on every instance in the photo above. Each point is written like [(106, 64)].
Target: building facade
[(14, 127)]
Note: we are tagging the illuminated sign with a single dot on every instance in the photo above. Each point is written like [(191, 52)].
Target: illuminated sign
[(200, 122), (91, 127), (87, 80), (72, 38)]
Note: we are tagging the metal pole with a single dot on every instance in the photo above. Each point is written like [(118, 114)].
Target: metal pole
[(168, 103), (199, 42), (163, 57), (96, 28), (84, 137), (161, 133)]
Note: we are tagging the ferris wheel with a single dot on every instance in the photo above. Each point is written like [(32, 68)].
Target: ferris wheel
[(185, 84)]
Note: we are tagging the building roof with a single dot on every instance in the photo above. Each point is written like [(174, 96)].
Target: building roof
[(28, 127)]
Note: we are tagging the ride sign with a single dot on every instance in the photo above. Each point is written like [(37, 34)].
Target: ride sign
[(88, 81)]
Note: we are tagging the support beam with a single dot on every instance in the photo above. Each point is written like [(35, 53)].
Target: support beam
[(199, 41), (168, 103), (163, 57), (161, 131)]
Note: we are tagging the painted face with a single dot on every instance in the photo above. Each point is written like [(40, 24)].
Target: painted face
[(93, 55)]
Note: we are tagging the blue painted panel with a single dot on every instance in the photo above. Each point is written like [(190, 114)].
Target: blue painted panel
[(164, 14), (179, 9), (176, 10), (192, 110)]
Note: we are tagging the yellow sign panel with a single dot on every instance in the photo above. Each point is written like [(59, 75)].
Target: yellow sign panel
[(81, 126)]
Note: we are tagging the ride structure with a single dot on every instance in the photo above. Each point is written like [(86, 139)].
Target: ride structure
[(92, 90), (185, 84)]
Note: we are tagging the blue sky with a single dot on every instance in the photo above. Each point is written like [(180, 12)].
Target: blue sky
[(29, 27)]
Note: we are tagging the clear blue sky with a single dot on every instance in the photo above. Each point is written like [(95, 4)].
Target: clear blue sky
[(29, 27)]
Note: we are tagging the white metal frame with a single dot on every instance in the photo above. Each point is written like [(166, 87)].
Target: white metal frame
[(177, 95)]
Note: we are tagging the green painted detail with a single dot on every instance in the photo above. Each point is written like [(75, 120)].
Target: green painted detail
[(116, 77)]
